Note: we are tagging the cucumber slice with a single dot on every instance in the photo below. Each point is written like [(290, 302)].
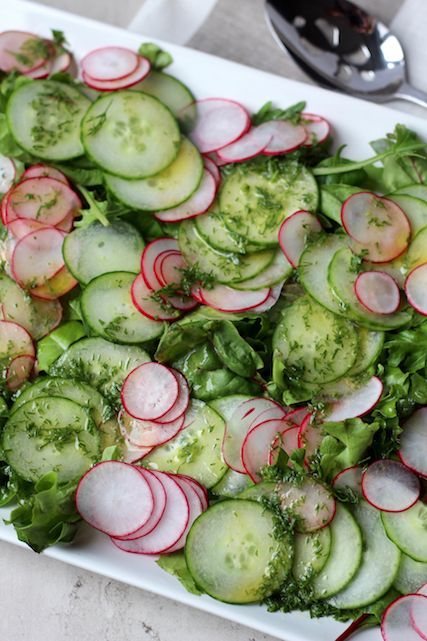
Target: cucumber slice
[(171, 91), (370, 346), (213, 230), (258, 491), (74, 390), (344, 558), (44, 118), (330, 205), (255, 200), (414, 208), (417, 252), (225, 267), (96, 250), (196, 450), (379, 567), (313, 270), (408, 530), (417, 191), (100, 363), (107, 308), (411, 575), (231, 485), (341, 277), (311, 552), (278, 270), (50, 433), (232, 554), (167, 189), (316, 345), (130, 134)]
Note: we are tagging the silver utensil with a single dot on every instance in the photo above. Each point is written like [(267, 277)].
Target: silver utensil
[(339, 45)]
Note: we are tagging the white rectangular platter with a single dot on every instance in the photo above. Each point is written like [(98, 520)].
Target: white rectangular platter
[(355, 123)]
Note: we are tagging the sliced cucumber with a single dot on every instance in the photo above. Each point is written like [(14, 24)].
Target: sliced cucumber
[(130, 134), (254, 199), (258, 491), (370, 346), (196, 450), (330, 205), (95, 250), (311, 553), (341, 277), (100, 363), (232, 554), (44, 118), (107, 308), (231, 484), (344, 558), (417, 251), (225, 267), (168, 188), (414, 208), (417, 191), (380, 563), (408, 530), (213, 230), (50, 433), (171, 91), (278, 271), (411, 575), (315, 345)]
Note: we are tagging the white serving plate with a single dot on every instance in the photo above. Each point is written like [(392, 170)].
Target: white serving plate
[(355, 122)]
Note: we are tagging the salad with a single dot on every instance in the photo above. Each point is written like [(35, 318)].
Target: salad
[(213, 336)]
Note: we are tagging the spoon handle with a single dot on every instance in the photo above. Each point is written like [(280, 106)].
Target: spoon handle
[(411, 94)]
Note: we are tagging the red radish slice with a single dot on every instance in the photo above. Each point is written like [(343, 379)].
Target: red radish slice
[(318, 129), (43, 199), (213, 169), (297, 415), (21, 51), (248, 146), (378, 292), (4, 206), (159, 498), (227, 299), (357, 404), (216, 159), (288, 441), (389, 486), (19, 371), (413, 442), (379, 227), (14, 341), (41, 72), (142, 298), (286, 137), (133, 454), (115, 498), (219, 123), (183, 303), (109, 63), (293, 234), (37, 257), (423, 590), (197, 204), (7, 173), (196, 509), (311, 501), (168, 267), (258, 444), (149, 391), (351, 478), (275, 411), (416, 289), (170, 527), (397, 620), (20, 227), (201, 491), (181, 404), (309, 436), (149, 255), (142, 70), (59, 285), (419, 616), (44, 171), (195, 293), (61, 63), (270, 301), (148, 433)]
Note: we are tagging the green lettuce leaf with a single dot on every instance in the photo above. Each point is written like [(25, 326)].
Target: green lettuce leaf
[(50, 348), (176, 565), (159, 58), (345, 444)]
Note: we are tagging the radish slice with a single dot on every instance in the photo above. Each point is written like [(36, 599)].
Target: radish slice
[(416, 289), (378, 292), (378, 225), (286, 137), (297, 415), (19, 371), (20, 227), (270, 301), (196, 509), (309, 436), (142, 298), (293, 234), (318, 129), (357, 404), (59, 285), (41, 72), (413, 442), (219, 123), (43, 199), (181, 404), (397, 620), (351, 478), (227, 299), (115, 498), (248, 146), (14, 341), (197, 204), (21, 51), (61, 63), (419, 616), (311, 502), (149, 255), (389, 486), (148, 433), (159, 498), (213, 169), (201, 491), (423, 590), (183, 303), (109, 63), (133, 454), (44, 171), (142, 70), (170, 527), (7, 173), (149, 391), (287, 441), (258, 444), (171, 267), (216, 159), (37, 257)]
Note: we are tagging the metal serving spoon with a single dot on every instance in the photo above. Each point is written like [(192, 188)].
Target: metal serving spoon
[(339, 45)]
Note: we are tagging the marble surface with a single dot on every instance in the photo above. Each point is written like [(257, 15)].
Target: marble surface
[(45, 600)]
